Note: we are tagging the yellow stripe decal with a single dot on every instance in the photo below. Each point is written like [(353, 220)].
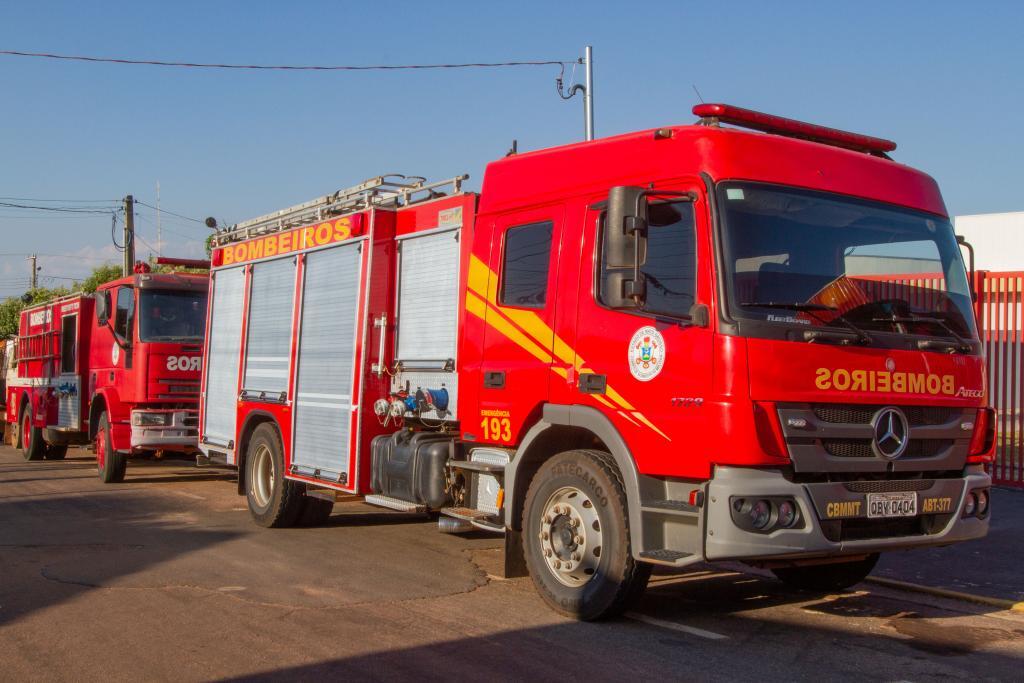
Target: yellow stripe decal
[(527, 330)]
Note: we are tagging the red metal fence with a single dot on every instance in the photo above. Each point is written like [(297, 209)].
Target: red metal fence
[(1002, 323)]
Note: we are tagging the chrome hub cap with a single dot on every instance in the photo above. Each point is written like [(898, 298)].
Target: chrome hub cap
[(262, 484), (570, 536)]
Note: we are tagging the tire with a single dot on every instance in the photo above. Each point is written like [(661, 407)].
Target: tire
[(55, 452), (32, 445), (110, 464), (315, 511), (576, 537), (827, 577), (273, 500)]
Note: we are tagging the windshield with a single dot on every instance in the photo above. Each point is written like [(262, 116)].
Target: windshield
[(171, 315), (813, 259)]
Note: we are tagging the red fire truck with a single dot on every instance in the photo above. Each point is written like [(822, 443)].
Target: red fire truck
[(692, 344), (119, 369)]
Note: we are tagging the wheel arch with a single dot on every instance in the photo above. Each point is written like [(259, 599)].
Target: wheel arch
[(253, 420), (563, 428), (97, 406)]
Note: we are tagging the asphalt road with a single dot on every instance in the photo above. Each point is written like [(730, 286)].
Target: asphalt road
[(164, 577)]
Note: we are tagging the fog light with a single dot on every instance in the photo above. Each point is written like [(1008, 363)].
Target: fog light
[(982, 502), (970, 505), (787, 513), (151, 419), (760, 514)]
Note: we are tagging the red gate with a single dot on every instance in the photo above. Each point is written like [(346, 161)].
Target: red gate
[(1002, 323)]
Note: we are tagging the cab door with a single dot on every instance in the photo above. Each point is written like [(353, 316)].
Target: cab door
[(514, 292), (651, 366)]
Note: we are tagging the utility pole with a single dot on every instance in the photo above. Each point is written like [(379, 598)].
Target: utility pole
[(159, 230), (33, 279), (129, 235), (588, 92)]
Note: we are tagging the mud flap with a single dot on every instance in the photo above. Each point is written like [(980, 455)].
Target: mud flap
[(515, 561)]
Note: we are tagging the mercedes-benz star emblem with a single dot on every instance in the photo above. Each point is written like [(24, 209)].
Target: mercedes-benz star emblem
[(891, 433)]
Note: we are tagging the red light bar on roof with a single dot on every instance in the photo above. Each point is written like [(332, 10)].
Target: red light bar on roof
[(779, 125)]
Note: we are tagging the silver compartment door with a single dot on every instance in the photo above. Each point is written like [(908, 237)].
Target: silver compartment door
[(221, 399), (324, 404)]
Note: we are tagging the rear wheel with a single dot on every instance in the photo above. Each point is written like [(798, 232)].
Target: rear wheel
[(32, 445), (576, 537), (56, 452), (273, 500), (827, 577), (110, 464)]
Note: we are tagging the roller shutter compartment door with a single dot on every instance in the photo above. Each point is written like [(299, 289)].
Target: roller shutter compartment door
[(270, 328), (324, 403), (222, 364), (428, 299)]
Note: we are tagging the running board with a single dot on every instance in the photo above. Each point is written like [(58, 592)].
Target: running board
[(393, 503), (669, 558)]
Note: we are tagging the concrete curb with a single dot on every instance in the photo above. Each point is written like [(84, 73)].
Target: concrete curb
[(946, 593)]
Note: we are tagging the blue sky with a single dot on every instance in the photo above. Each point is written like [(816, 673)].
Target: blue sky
[(943, 79)]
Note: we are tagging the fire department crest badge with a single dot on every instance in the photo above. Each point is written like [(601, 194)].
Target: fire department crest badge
[(646, 353)]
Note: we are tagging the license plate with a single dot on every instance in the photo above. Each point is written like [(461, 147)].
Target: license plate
[(892, 504)]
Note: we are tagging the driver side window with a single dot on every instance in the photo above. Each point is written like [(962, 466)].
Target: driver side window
[(124, 312)]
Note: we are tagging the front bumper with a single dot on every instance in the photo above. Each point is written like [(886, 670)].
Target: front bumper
[(833, 524), (181, 434)]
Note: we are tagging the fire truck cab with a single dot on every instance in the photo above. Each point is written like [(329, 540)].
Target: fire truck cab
[(690, 344), (118, 368)]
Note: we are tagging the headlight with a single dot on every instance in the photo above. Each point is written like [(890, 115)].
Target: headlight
[(970, 505), (787, 514), (982, 502), (151, 419), (760, 514)]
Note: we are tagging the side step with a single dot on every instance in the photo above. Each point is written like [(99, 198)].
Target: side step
[(669, 558), (393, 503), (467, 514)]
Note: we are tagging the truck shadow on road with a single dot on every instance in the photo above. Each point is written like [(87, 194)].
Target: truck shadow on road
[(56, 547)]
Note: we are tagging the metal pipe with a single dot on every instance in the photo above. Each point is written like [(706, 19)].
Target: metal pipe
[(588, 93)]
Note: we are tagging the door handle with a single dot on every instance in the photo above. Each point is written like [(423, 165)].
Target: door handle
[(591, 383), (494, 380)]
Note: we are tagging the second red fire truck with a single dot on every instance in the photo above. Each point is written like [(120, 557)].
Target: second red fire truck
[(118, 369), (690, 344)]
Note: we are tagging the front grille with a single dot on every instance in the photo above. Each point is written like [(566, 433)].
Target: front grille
[(861, 448), (864, 529), (840, 413), (892, 485), (190, 421), (848, 448)]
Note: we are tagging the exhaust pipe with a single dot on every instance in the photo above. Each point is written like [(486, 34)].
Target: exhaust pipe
[(451, 525)]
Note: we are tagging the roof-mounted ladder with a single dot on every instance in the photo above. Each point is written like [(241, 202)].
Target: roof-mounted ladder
[(392, 190)]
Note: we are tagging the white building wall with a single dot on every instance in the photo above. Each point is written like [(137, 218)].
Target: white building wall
[(997, 238)]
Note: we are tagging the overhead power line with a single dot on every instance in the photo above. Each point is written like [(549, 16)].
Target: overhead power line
[(278, 67), (59, 209), (163, 210)]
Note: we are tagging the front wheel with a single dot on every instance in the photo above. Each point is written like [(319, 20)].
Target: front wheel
[(110, 464), (576, 537), (32, 445), (273, 500), (827, 577)]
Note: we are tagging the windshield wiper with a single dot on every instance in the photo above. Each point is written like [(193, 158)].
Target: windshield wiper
[(812, 335), (963, 345)]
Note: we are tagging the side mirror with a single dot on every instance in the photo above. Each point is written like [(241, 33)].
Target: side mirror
[(625, 247), (962, 241), (625, 234), (102, 300)]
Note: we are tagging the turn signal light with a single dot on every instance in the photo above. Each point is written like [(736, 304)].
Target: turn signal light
[(984, 437)]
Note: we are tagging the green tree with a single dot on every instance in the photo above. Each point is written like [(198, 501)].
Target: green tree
[(10, 308)]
